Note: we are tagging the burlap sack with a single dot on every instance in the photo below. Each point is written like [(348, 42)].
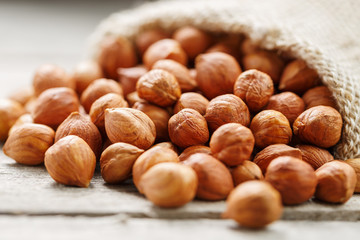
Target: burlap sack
[(325, 33)]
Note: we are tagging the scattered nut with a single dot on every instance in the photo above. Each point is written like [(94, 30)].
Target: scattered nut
[(169, 184), (193, 150), (71, 161), (145, 39), (315, 156), (293, 178), (28, 143), (168, 145), (255, 88), (133, 97), (10, 111), (317, 96), (270, 127), (187, 128), (25, 118), (23, 95), (336, 182), (192, 100), (159, 87), (85, 73), (254, 204), (150, 158), (320, 125), (355, 163), (130, 126), (245, 172), (117, 160), (128, 78), (216, 73), (232, 143), (215, 181), (226, 108), (265, 156)]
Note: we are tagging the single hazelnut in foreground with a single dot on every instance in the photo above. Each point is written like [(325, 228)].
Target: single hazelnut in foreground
[(10, 111), (355, 163), (254, 204), (130, 126), (336, 182), (265, 156), (164, 49), (315, 156), (81, 126), (159, 87), (117, 160), (255, 88), (293, 178), (192, 100), (245, 172), (28, 143), (226, 108), (54, 105), (71, 161), (169, 184), (288, 103), (317, 96), (116, 52), (320, 125), (193, 150), (270, 127), (85, 73), (148, 159), (232, 143), (216, 73), (51, 76), (215, 181), (187, 128)]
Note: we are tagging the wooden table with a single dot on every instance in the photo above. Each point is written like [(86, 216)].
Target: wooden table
[(33, 206)]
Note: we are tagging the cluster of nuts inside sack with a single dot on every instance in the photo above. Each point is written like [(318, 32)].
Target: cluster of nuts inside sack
[(206, 116)]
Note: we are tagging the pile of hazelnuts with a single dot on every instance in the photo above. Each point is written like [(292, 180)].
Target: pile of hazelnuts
[(187, 114)]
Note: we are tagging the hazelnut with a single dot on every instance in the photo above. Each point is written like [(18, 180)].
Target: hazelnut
[(25, 118), (248, 46), (216, 73), (254, 204), (97, 110), (117, 160), (355, 163), (192, 100), (320, 125), (85, 73), (223, 47), (133, 97), (30, 105), (226, 108), (187, 128), (10, 111), (81, 126), (193, 150), (215, 181), (130, 126), (51, 76), (336, 182), (28, 143), (70, 161), (298, 77), (317, 96), (232, 143), (23, 95), (168, 145), (150, 158), (315, 156), (116, 52), (128, 78), (158, 115), (265, 61), (54, 105), (97, 89), (293, 178), (270, 127), (180, 72), (164, 49), (194, 41), (159, 87), (169, 184), (288, 103), (245, 172), (193, 73), (255, 88), (265, 156), (147, 38)]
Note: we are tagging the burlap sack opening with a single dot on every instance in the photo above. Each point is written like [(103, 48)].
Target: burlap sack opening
[(324, 33)]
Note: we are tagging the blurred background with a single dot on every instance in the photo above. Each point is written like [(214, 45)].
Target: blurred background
[(33, 32)]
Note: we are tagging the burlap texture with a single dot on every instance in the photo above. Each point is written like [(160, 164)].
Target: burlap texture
[(324, 33)]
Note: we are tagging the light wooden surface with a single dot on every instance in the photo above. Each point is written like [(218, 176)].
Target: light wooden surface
[(33, 206)]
